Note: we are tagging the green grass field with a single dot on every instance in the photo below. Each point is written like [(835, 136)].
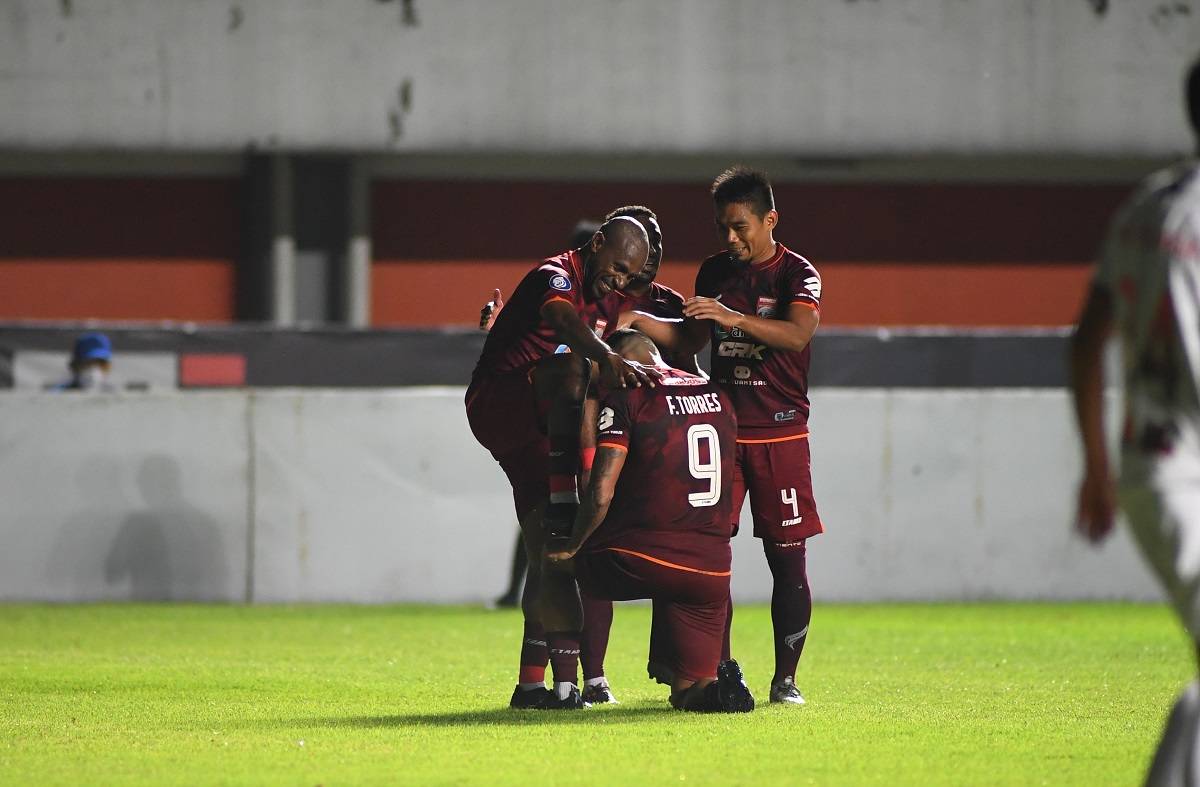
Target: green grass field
[(898, 694)]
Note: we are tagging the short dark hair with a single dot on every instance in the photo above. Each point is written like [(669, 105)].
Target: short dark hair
[(621, 337), (632, 211), (744, 185), (1193, 96)]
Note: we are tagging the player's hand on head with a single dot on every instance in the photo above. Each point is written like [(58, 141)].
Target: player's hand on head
[(1097, 507), (702, 308), (490, 310)]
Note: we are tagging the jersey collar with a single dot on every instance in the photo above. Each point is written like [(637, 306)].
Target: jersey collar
[(775, 258)]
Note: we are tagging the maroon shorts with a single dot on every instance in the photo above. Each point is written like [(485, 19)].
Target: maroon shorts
[(690, 605), (503, 415), (777, 476)]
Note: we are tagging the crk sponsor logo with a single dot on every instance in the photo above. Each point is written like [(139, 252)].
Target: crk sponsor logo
[(748, 350), (741, 372), (765, 308), (786, 415), (560, 283)]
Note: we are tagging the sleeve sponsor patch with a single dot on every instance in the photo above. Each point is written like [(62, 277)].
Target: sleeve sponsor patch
[(560, 283)]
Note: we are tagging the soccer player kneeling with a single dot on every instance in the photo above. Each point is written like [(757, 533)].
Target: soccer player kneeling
[(654, 523)]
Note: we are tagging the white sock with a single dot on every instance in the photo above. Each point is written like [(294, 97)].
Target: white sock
[(600, 681), (563, 690), (531, 686)]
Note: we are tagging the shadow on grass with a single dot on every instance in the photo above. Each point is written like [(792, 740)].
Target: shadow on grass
[(496, 716)]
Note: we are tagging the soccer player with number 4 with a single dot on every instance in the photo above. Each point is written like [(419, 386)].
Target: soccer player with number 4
[(759, 304)]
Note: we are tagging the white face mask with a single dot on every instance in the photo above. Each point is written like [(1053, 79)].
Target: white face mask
[(92, 378)]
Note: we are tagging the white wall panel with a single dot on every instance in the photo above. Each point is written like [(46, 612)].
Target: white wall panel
[(379, 496), (123, 497), (673, 76), (367, 496)]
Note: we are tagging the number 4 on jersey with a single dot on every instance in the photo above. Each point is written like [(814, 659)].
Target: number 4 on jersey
[(789, 498)]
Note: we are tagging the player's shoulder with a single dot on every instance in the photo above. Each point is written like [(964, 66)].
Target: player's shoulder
[(721, 261), (661, 294), (560, 263), (558, 273), (791, 259)]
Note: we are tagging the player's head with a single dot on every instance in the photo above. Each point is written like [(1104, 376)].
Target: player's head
[(641, 283), (746, 216), (635, 346), (615, 255), (1193, 98)]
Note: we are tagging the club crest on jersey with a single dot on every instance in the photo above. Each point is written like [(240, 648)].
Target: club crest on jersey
[(560, 283), (765, 308)]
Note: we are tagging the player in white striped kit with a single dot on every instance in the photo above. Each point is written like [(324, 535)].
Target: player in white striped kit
[(1147, 288)]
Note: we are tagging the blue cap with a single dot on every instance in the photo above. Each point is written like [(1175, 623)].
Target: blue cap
[(92, 347)]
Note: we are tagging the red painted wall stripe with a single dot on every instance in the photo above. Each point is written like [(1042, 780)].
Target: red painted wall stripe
[(71, 289), (432, 292), (212, 370)]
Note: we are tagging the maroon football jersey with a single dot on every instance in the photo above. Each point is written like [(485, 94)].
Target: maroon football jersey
[(520, 338), (769, 387), (672, 501)]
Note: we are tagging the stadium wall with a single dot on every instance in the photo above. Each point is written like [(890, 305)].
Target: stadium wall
[(379, 496), (840, 78), (914, 252)]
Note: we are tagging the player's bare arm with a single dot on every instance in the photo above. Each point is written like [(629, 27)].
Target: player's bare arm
[(1097, 491), (678, 338), (594, 506), (615, 371), (792, 333)]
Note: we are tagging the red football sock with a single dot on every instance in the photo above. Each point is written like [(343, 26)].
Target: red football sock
[(564, 656), (791, 605), (564, 469), (534, 654), (726, 651), (593, 642)]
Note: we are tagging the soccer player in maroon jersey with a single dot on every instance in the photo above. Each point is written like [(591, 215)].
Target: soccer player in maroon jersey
[(522, 382), (642, 294), (759, 304), (653, 524)]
